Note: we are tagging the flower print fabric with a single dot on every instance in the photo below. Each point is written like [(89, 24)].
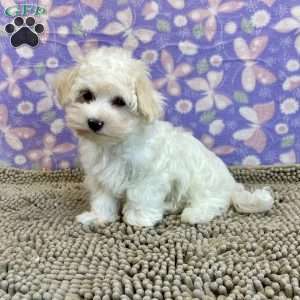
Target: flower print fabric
[(229, 70)]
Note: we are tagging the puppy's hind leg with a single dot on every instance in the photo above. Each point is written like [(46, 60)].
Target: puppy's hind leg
[(203, 208)]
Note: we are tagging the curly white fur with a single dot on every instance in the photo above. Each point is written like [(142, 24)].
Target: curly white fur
[(137, 164)]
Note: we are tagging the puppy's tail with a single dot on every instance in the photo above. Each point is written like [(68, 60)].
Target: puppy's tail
[(252, 202)]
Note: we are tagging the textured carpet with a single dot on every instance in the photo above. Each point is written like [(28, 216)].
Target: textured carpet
[(45, 255)]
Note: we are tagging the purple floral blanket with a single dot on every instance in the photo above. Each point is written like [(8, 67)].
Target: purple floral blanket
[(230, 70)]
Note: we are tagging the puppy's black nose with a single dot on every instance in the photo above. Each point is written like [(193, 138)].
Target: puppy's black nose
[(95, 124)]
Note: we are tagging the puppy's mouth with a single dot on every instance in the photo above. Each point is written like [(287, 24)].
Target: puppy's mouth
[(88, 132), (82, 131)]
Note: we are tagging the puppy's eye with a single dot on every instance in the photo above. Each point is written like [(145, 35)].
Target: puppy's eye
[(118, 101), (87, 96)]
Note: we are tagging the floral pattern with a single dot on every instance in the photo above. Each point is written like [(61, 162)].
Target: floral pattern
[(44, 155), (124, 25), (13, 136), (229, 70), (10, 82), (257, 115), (209, 14), (249, 55), (44, 87), (208, 86), (172, 73)]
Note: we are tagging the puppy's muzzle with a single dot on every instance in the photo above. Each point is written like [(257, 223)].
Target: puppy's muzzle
[(95, 125)]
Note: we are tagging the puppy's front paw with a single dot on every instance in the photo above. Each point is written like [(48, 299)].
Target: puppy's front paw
[(87, 218), (130, 220), (195, 216), (137, 218)]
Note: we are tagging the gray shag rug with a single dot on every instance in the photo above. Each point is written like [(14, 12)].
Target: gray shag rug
[(44, 254)]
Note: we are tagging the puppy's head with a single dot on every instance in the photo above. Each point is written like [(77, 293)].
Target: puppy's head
[(108, 94)]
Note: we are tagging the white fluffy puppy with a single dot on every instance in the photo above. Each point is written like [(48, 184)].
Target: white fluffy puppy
[(135, 164)]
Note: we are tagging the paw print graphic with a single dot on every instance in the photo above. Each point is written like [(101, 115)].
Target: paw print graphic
[(24, 32)]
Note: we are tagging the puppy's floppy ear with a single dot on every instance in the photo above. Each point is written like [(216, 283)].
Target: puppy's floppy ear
[(149, 101), (63, 82)]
